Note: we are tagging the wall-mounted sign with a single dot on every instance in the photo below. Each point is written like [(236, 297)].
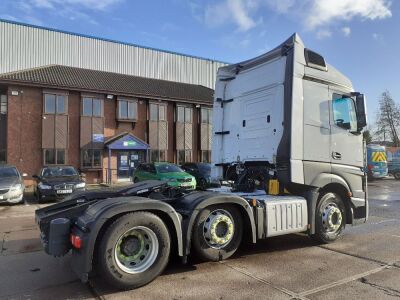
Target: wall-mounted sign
[(129, 143), (98, 138)]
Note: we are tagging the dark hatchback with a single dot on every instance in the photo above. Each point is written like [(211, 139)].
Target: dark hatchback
[(201, 171), (57, 182)]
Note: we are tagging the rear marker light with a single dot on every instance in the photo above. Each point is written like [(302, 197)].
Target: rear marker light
[(76, 241)]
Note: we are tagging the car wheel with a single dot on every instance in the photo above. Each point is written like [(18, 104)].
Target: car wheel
[(330, 218), (217, 232), (397, 175), (134, 250), (202, 184), (135, 180)]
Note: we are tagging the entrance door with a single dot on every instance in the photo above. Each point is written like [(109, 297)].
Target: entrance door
[(128, 161), (123, 165)]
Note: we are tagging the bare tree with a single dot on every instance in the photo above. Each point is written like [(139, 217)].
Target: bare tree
[(388, 119)]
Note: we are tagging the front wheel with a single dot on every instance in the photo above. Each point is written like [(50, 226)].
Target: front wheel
[(330, 218), (134, 250), (217, 232), (397, 175)]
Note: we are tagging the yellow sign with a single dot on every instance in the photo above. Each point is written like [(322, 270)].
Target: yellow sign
[(378, 157)]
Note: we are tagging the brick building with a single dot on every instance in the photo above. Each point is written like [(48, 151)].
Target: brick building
[(100, 122)]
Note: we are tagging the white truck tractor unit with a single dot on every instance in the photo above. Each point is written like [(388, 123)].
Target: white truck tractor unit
[(287, 140)]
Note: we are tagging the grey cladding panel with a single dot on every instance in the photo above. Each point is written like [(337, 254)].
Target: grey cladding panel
[(48, 136), (61, 132)]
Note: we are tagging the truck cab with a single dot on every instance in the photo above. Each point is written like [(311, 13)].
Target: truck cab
[(290, 116)]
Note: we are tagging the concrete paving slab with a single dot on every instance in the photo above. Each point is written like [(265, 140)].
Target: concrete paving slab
[(377, 240), (203, 281), (382, 285), (73, 290), (31, 271), (15, 224), (21, 241), (294, 263)]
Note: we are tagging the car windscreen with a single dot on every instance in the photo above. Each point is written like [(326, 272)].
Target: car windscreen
[(204, 168), (59, 171), (168, 168), (8, 172)]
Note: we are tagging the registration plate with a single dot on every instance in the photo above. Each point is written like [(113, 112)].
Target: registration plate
[(186, 184), (64, 192)]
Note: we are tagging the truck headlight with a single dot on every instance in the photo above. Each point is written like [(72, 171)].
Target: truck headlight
[(44, 186), (80, 185), (16, 187)]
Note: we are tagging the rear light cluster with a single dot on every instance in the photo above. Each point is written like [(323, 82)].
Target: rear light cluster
[(76, 241)]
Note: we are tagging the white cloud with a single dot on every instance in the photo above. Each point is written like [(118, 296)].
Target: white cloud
[(236, 11), (324, 12), (346, 31), (323, 34), (315, 15)]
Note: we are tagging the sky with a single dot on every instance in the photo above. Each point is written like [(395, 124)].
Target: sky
[(359, 37)]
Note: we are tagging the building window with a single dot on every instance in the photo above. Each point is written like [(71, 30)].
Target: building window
[(157, 112), (3, 104), (54, 157), (184, 156), (92, 158), (206, 115), (158, 155), (55, 104), (127, 110), (184, 114), (92, 107), (206, 156), (3, 156)]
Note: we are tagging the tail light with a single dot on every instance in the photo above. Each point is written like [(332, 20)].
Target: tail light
[(76, 241)]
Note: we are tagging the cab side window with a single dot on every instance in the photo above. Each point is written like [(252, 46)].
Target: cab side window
[(344, 113)]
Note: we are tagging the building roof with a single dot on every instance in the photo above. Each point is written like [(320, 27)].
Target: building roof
[(64, 77)]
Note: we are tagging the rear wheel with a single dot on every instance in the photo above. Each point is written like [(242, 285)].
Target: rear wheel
[(330, 218), (217, 232), (134, 250), (397, 175), (202, 184)]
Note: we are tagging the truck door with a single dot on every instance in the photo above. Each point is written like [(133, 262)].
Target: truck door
[(346, 143)]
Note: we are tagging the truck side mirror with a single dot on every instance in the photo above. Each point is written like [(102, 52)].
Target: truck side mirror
[(361, 112)]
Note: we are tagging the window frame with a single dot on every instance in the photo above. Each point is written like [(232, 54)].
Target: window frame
[(92, 166), (352, 117), (209, 115), (208, 152), (158, 105), (128, 102), (92, 101), (185, 158), (3, 104), (185, 109), (158, 155), (56, 153), (56, 104)]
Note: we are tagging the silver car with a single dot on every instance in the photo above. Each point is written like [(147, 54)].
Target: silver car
[(11, 184)]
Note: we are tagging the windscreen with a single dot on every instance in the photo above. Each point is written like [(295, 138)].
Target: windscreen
[(59, 171), (168, 168), (8, 172)]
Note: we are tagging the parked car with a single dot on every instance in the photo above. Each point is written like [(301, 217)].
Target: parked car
[(201, 171), (168, 172), (57, 182), (11, 184)]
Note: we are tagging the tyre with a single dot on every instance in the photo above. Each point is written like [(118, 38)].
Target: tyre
[(217, 232), (397, 175), (330, 218), (38, 197), (134, 250), (202, 184), (135, 180)]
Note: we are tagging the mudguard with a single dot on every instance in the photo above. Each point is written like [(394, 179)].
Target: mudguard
[(90, 223), (190, 206)]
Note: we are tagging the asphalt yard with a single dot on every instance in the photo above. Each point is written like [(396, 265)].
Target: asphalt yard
[(365, 264)]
